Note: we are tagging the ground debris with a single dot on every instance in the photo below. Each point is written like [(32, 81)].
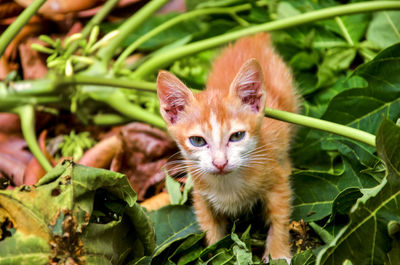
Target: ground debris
[(303, 237)]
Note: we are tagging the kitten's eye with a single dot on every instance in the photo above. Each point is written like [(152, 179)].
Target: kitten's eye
[(237, 136), (197, 141)]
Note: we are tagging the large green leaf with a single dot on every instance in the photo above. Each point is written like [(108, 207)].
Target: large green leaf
[(365, 240), (318, 194), (354, 25), (384, 29), (172, 224), (76, 212)]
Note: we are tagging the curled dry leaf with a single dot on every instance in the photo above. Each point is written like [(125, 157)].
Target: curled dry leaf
[(10, 9), (7, 62), (156, 202), (33, 64), (102, 153), (10, 123), (13, 157), (144, 152), (61, 6)]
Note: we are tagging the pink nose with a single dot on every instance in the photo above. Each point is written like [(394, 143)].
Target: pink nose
[(220, 165)]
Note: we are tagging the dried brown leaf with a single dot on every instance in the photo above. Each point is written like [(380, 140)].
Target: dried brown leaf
[(145, 151), (156, 202), (102, 153), (33, 64)]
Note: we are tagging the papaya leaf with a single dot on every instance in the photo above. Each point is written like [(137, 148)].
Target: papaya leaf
[(370, 216), (384, 29), (173, 223), (75, 213)]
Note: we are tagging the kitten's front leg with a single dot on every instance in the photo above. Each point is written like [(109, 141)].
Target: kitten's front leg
[(212, 224), (277, 210)]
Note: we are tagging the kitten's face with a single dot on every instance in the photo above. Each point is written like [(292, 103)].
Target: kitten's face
[(217, 143), (216, 132)]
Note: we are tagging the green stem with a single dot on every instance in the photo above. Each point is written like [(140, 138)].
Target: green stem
[(41, 87), (129, 26), (120, 103), (27, 115), (322, 125), (104, 11), (178, 19), (110, 119), (18, 24), (346, 34), (164, 59), (102, 81)]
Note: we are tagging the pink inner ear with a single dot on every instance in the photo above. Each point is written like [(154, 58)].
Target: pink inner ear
[(250, 94), (172, 112)]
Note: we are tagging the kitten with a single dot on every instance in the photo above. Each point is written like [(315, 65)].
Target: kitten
[(236, 155)]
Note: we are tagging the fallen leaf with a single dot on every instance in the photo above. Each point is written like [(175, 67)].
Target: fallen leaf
[(60, 6), (33, 63), (144, 152), (156, 202), (10, 123), (10, 9), (102, 153)]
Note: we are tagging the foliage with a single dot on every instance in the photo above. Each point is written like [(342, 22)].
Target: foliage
[(74, 145), (74, 214), (346, 69)]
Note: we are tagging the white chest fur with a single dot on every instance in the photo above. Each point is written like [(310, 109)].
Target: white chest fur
[(229, 194)]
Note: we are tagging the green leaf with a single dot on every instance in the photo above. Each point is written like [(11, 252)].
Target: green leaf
[(304, 258), (333, 191), (174, 189), (335, 60), (354, 25), (322, 233), (187, 189), (172, 224), (24, 249), (61, 211), (384, 29), (370, 216)]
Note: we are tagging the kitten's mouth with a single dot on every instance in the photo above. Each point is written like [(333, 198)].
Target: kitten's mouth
[(221, 172)]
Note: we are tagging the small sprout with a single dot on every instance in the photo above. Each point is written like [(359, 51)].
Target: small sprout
[(72, 38), (82, 59), (40, 48), (47, 39), (55, 63), (93, 36), (104, 41), (69, 70)]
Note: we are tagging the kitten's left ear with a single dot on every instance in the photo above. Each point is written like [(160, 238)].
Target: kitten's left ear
[(248, 85), (174, 96)]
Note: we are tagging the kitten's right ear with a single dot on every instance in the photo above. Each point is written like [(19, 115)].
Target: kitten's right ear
[(174, 96)]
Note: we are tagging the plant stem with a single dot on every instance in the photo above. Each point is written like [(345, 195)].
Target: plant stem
[(127, 27), (27, 115), (9, 34), (110, 119), (346, 34), (104, 11), (119, 102), (102, 81), (322, 125), (164, 59), (178, 19)]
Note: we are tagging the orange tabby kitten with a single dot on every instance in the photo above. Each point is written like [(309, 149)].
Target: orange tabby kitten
[(235, 155)]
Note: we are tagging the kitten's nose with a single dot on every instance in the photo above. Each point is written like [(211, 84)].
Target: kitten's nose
[(220, 165)]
